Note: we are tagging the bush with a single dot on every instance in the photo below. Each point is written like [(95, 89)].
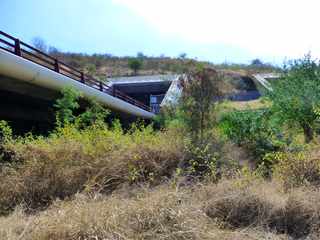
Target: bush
[(93, 159), (255, 130), (296, 94), (135, 65), (66, 106), (5, 131), (5, 137), (94, 114), (202, 161), (297, 169)]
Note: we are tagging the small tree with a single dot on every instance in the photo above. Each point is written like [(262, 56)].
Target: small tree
[(296, 95), (135, 65), (66, 105), (182, 55), (200, 93), (140, 55), (257, 62)]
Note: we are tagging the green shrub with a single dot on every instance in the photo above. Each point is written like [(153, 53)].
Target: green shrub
[(253, 129), (66, 106), (202, 160), (135, 65), (67, 110), (296, 95), (95, 113), (5, 131)]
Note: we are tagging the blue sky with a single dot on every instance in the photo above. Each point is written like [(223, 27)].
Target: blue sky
[(218, 31)]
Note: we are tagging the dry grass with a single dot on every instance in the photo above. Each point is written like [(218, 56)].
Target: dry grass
[(231, 209), (244, 105), (298, 169), (105, 184), (92, 160), (265, 205)]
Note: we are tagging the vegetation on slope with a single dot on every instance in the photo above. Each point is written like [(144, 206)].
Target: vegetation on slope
[(102, 65), (90, 180)]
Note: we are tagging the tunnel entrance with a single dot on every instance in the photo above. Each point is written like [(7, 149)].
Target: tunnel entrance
[(150, 90), (246, 89)]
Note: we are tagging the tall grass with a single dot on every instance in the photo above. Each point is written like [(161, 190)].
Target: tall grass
[(227, 210), (93, 159)]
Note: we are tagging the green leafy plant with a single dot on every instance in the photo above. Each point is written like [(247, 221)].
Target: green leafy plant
[(95, 113), (66, 106), (256, 130), (296, 95), (202, 161), (5, 131), (135, 65)]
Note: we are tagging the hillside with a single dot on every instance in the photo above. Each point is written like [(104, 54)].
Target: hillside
[(103, 65), (237, 76)]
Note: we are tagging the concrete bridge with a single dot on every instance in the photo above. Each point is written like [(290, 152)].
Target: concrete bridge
[(265, 79), (30, 81)]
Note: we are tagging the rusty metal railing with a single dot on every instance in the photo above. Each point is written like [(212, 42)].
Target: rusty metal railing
[(24, 50)]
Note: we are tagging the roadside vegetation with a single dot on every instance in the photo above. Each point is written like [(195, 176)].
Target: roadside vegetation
[(206, 169)]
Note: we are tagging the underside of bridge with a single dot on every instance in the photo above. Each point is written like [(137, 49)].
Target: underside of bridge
[(143, 91), (29, 107), (29, 86)]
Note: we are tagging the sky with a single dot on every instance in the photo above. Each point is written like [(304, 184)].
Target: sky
[(232, 31)]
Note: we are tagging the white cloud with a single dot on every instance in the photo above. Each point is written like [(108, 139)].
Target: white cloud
[(274, 28)]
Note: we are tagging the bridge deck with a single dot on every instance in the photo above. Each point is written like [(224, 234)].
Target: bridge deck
[(52, 73)]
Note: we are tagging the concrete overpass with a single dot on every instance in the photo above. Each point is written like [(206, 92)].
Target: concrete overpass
[(155, 91), (31, 80), (265, 79)]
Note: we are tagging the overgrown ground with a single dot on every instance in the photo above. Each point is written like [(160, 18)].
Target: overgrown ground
[(219, 171), (104, 183), (231, 209)]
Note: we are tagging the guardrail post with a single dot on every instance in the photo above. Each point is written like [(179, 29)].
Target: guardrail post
[(82, 77), (101, 86), (17, 48), (56, 65)]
